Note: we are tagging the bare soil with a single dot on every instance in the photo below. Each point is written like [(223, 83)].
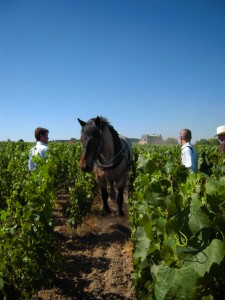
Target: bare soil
[(98, 257)]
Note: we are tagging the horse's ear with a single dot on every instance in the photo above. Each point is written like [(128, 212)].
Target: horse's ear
[(82, 123)]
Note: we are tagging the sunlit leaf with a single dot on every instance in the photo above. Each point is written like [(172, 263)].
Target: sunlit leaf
[(142, 243), (176, 283), (197, 218), (211, 186), (203, 261)]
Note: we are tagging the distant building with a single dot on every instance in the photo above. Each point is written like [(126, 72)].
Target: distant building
[(151, 139)]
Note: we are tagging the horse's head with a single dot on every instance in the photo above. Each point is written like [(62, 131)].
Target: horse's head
[(90, 139)]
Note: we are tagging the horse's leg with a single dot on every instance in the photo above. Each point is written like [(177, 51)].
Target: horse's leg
[(112, 192), (102, 181), (119, 201), (105, 195)]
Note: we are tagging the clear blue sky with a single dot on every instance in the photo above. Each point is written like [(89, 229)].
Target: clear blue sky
[(148, 66)]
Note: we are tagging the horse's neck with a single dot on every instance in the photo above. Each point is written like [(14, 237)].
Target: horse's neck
[(108, 149)]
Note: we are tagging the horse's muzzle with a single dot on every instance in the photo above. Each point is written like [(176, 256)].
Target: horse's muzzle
[(86, 169)]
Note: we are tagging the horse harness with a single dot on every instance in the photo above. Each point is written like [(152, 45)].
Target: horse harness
[(121, 146)]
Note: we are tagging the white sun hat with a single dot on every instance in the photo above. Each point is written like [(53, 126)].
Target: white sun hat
[(220, 130)]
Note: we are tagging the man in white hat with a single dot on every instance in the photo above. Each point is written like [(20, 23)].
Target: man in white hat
[(220, 133)]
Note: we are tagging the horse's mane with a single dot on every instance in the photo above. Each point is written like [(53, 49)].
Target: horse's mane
[(101, 121), (116, 138)]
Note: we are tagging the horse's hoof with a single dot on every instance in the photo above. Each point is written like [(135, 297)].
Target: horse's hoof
[(107, 211)]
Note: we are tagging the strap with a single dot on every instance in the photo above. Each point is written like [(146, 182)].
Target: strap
[(190, 148)]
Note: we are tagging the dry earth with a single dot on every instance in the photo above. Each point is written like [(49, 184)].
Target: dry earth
[(98, 257)]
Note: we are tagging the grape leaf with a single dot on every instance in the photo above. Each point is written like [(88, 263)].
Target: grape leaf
[(175, 283)]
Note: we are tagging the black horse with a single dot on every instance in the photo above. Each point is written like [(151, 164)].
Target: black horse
[(110, 156)]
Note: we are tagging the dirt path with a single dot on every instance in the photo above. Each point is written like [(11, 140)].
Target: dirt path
[(98, 258)]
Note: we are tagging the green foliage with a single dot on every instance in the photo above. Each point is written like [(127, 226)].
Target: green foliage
[(29, 248), (178, 226), (211, 161), (28, 243), (177, 219), (209, 142), (82, 196)]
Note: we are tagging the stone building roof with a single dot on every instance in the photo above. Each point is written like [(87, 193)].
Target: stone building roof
[(151, 139)]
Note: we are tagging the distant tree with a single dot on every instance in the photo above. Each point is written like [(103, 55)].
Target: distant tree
[(134, 140), (211, 142), (171, 141), (202, 142), (21, 140), (214, 141)]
